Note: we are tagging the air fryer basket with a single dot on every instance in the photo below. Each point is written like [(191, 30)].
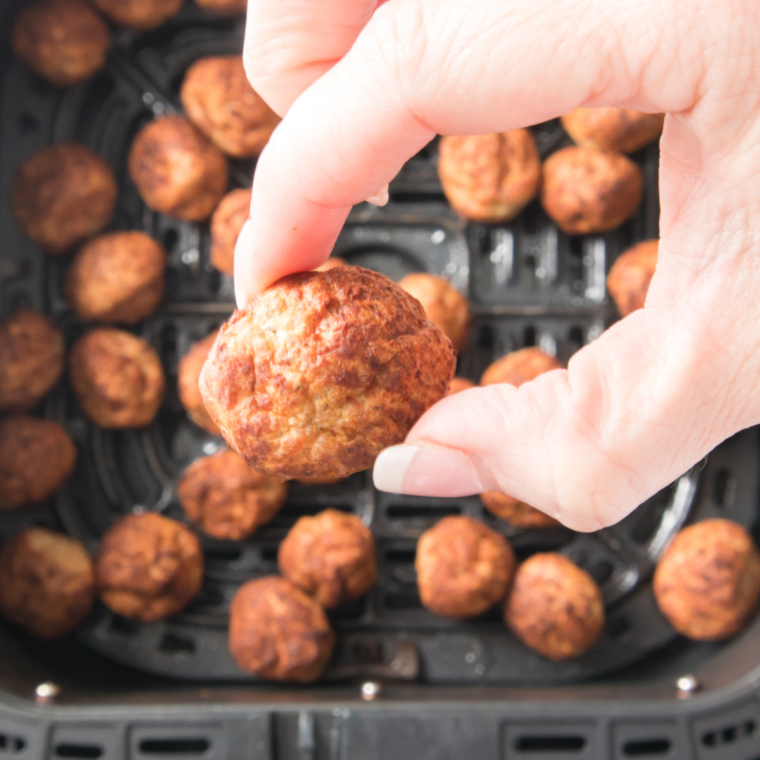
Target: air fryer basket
[(529, 284)]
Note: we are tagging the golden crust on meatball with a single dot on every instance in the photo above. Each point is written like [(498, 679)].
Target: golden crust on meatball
[(589, 190), (630, 275), (444, 305), (226, 223), (490, 178), (227, 499), (47, 582), (190, 366), (330, 556), (707, 583), (459, 384), (177, 170), (516, 512), (63, 195), (148, 567), (31, 359), (555, 607), (279, 633), (324, 370), (332, 263), (36, 458), (116, 278), (64, 41), (519, 367), (140, 14), (117, 378), (618, 129), (463, 567), (219, 100), (224, 7)]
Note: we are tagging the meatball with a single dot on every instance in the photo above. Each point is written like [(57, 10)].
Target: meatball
[(515, 512), (141, 14), (190, 367), (589, 190), (116, 278), (224, 7), (64, 41), (228, 500), (444, 305), (63, 195), (463, 567), (324, 370), (278, 632), (555, 607), (618, 129), (707, 583), (117, 378), (459, 384), (36, 458), (519, 367), (219, 100), (490, 178), (630, 275), (31, 359), (47, 582), (148, 567), (177, 170), (330, 556), (226, 223)]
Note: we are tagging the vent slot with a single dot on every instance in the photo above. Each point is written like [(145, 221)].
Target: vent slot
[(79, 751), (12, 744), (647, 748), (550, 743), (174, 746), (415, 512)]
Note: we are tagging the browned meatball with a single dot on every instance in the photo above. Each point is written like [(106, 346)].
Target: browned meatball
[(31, 359), (148, 567), (36, 458), (515, 512), (141, 14), (330, 556), (490, 178), (444, 305), (519, 367), (225, 498), (219, 100), (116, 278), (630, 275), (555, 607), (224, 7), (324, 370), (64, 41), (463, 567), (47, 582), (589, 190), (278, 632), (117, 378), (226, 223), (618, 129), (63, 195), (177, 170), (190, 367), (707, 583), (459, 384)]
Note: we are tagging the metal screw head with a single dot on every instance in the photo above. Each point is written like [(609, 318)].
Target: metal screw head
[(47, 692), (371, 690), (687, 685)]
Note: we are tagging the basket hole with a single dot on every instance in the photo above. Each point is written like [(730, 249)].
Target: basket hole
[(529, 336), (618, 627), (602, 572), (724, 488), (485, 337), (400, 556), (174, 746), (576, 336), (78, 750), (576, 245), (531, 223), (172, 644), (215, 281), (412, 512), (368, 652), (170, 240), (269, 553), (224, 553), (407, 601), (647, 748), (12, 744), (550, 743), (169, 340), (27, 124), (125, 626)]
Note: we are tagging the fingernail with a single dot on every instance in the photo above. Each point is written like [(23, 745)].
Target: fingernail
[(243, 249), (426, 471), (380, 198)]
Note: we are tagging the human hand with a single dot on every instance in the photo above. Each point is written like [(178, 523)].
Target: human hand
[(364, 89)]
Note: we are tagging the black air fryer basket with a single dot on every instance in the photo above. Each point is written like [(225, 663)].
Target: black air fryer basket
[(403, 683)]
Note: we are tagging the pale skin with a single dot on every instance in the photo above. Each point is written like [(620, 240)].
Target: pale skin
[(363, 88)]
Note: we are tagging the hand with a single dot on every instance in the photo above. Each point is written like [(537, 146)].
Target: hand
[(364, 89)]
